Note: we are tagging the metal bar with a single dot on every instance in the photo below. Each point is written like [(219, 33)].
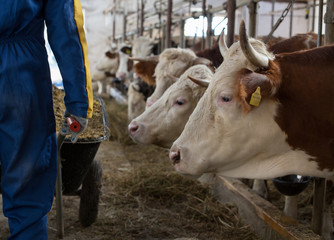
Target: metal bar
[(252, 8), (329, 22), (231, 6), (169, 24), (319, 42), (59, 191), (273, 10), (142, 18), (291, 21), (204, 15)]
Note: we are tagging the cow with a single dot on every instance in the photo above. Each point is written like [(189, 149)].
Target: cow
[(173, 61), (164, 121), (289, 132), (139, 90), (137, 95)]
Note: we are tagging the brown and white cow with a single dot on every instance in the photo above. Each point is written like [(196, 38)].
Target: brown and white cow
[(172, 61), (290, 132), (164, 121)]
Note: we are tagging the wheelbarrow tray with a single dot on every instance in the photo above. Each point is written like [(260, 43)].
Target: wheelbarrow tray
[(78, 157)]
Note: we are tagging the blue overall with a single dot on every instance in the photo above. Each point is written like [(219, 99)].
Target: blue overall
[(28, 151)]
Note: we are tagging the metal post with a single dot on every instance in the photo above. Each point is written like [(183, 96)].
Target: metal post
[(163, 27), (169, 24), (291, 20), (231, 6), (313, 15), (209, 34), (252, 8), (142, 14), (321, 5), (138, 17), (182, 39), (273, 15), (124, 23), (114, 22), (329, 22), (203, 15)]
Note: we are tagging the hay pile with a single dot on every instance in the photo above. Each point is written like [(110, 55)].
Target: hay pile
[(147, 199), (96, 128)]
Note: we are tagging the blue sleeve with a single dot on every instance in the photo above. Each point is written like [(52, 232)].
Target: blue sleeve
[(64, 22)]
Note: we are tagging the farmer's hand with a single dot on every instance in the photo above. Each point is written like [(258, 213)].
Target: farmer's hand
[(65, 128)]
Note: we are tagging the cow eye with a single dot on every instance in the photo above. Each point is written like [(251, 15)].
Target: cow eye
[(226, 99), (179, 102)]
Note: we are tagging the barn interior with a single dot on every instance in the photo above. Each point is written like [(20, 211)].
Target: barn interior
[(140, 194)]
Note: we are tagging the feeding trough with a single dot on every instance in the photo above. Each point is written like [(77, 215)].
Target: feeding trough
[(291, 185)]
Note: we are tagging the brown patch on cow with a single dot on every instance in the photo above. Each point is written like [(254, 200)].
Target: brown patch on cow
[(295, 43), (268, 80), (306, 111), (112, 55), (130, 65), (145, 71), (213, 54)]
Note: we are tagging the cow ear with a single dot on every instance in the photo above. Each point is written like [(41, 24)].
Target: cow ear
[(173, 78), (200, 82), (251, 82), (126, 50), (110, 54), (200, 60)]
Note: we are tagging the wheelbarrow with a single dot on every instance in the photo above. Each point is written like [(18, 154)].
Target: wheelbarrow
[(81, 174)]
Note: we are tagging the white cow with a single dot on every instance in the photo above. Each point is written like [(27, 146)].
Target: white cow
[(138, 90), (164, 121), (172, 61)]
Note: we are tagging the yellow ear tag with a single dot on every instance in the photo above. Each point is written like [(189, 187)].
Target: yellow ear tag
[(256, 97)]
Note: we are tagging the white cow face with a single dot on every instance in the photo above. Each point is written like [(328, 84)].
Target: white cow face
[(164, 121), (173, 61), (224, 133), (108, 62)]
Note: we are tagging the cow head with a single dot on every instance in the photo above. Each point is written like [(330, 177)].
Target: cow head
[(125, 65), (225, 133), (173, 61), (163, 122), (108, 62)]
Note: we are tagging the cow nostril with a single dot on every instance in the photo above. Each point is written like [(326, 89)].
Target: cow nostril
[(175, 157), (133, 128)]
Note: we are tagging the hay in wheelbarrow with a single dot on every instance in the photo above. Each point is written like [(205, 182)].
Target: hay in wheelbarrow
[(96, 127)]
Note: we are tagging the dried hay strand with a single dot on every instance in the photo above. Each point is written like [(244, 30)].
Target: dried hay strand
[(96, 128)]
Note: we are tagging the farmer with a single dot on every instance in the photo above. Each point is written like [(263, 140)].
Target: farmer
[(28, 151)]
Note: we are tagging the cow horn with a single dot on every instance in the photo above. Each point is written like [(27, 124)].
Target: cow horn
[(250, 53), (173, 78), (222, 44), (200, 82)]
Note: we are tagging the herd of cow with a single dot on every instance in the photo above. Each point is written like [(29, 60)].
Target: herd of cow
[(252, 110)]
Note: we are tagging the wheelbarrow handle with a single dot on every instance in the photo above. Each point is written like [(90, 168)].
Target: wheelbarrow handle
[(59, 191)]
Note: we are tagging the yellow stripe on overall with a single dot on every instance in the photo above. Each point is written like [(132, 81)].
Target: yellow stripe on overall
[(78, 17)]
